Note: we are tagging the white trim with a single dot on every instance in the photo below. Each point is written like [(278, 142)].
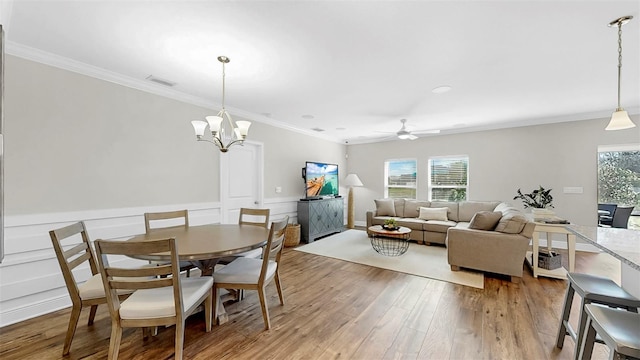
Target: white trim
[(620, 147)]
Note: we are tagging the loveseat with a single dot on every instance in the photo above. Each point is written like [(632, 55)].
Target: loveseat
[(489, 236)]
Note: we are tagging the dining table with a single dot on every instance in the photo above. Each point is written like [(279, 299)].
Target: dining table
[(205, 245)]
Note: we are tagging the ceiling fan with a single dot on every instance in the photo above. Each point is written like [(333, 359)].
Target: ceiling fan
[(404, 134)]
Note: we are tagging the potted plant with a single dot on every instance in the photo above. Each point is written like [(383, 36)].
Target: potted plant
[(539, 200), (390, 224)]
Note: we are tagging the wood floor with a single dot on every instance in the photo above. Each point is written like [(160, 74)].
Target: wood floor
[(336, 309)]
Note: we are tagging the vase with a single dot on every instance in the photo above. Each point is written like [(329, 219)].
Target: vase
[(542, 213)]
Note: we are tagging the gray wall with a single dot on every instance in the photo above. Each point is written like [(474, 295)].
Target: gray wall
[(501, 161), (78, 143)]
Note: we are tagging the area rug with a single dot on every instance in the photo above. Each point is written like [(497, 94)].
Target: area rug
[(420, 260)]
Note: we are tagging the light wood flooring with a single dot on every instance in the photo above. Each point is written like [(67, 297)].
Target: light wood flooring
[(336, 309)]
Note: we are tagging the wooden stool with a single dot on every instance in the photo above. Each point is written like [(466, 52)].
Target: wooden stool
[(619, 330), (592, 289)]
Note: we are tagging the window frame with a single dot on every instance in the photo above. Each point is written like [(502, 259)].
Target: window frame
[(430, 185), (386, 177)]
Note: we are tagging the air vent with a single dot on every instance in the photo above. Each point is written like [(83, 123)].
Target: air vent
[(161, 81), (318, 129)]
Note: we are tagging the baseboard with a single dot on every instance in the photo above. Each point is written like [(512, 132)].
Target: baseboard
[(32, 310)]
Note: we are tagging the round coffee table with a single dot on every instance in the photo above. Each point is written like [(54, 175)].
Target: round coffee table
[(389, 242)]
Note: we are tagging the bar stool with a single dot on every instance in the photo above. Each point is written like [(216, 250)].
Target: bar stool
[(619, 330), (592, 289)]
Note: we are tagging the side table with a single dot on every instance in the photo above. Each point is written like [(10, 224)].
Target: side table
[(541, 227), (389, 242)]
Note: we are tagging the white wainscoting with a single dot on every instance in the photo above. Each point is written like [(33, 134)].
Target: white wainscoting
[(31, 283)]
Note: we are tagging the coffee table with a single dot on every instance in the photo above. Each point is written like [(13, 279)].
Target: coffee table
[(389, 242)]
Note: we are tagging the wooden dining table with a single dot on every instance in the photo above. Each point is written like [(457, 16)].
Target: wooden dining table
[(204, 245)]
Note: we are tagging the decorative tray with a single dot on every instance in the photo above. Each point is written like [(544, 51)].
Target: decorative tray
[(390, 228)]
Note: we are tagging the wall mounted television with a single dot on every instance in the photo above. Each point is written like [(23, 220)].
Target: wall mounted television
[(321, 180)]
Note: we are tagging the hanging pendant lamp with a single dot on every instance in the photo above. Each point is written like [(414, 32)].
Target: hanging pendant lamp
[(620, 118)]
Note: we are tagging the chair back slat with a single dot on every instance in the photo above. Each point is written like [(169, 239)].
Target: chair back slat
[(151, 219), (80, 259), (248, 215)]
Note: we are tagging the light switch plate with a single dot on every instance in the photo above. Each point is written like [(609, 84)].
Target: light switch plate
[(573, 190)]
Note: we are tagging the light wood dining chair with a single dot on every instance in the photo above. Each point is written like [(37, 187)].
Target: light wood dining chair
[(160, 220), (161, 296), (73, 249), (255, 274)]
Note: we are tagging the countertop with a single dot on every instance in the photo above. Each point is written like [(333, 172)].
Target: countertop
[(623, 244)]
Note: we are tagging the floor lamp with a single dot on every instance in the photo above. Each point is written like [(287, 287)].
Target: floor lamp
[(351, 181)]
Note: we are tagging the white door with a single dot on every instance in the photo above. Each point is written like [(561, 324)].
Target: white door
[(241, 179)]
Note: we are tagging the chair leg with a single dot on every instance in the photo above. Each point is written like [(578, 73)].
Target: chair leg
[(582, 323), (208, 304), (279, 287), (179, 340), (265, 310), (566, 310), (214, 295), (114, 344), (92, 314), (71, 330), (589, 338)]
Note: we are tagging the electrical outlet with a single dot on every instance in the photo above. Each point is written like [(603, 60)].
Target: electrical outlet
[(278, 189)]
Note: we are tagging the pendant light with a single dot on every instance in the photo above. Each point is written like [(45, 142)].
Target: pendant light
[(620, 118)]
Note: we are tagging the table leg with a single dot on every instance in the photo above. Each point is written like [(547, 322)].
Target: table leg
[(534, 258), (549, 241), (571, 247)]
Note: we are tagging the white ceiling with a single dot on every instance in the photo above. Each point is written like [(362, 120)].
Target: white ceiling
[(357, 67)]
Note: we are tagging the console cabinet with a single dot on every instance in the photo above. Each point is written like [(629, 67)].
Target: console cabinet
[(320, 217)]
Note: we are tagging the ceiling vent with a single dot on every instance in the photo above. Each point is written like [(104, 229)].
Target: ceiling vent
[(317, 129), (161, 81)]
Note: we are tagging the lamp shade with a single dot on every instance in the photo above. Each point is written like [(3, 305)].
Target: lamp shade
[(352, 180), (619, 121), (199, 127)]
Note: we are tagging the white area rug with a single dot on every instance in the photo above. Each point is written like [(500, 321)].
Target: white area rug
[(421, 260)]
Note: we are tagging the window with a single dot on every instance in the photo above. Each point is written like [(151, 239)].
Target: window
[(619, 178), (400, 179), (448, 178)]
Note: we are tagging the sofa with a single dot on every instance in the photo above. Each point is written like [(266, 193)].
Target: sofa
[(489, 236)]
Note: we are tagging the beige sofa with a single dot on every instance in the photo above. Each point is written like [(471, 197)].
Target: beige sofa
[(489, 236), (407, 211)]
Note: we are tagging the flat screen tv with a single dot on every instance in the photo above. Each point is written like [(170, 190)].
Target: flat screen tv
[(320, 179)]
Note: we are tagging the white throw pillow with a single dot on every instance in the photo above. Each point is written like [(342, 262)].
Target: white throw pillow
[(433, 213), (385, 207)]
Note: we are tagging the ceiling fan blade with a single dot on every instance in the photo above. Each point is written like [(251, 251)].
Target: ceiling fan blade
[(426, 132), (412, 137)]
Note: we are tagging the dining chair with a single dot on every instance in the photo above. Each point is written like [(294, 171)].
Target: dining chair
[(606, 219), (255, 274), (73, 249), (160, 298), (161, 220), (621, 217), (253, 217)]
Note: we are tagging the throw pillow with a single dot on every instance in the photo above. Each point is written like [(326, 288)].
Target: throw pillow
[(511, 224), (433, 213), (485, 220), (385, 207)]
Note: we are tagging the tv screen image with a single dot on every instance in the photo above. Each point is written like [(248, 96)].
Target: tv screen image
[(321, 179)]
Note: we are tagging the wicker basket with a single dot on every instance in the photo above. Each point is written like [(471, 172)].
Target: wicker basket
[(292, 235)]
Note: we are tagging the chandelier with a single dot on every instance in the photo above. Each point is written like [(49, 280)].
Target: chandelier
[(224, 131), (620, 118)]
